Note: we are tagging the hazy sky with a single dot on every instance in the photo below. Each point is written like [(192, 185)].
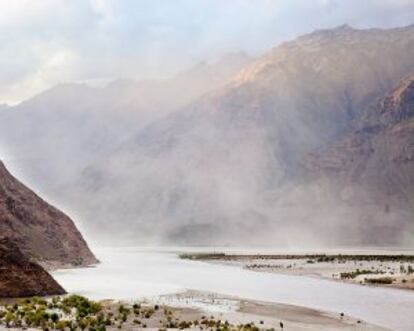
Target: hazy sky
[(44, 42)]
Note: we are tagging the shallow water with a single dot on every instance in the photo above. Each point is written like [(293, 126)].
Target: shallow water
[(132, 273)]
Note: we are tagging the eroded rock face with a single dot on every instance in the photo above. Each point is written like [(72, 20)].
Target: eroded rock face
[(369, 172), (19, 277), (378, 150), (39, 230)]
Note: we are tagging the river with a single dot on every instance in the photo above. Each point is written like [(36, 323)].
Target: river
[(135, 273)]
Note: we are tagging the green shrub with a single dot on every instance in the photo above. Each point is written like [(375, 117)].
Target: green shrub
[(83, 306)]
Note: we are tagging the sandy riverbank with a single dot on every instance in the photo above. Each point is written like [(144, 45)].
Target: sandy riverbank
[(264, 315), (375, 270)]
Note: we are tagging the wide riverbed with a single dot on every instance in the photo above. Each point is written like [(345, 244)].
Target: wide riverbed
[(134, 273)]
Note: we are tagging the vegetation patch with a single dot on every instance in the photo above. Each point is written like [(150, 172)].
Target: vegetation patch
[(356, 273), (74, 312), (380, 281)]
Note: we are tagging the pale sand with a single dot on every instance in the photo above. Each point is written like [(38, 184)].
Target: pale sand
[(328, 270), (333, 270), (238, 310)]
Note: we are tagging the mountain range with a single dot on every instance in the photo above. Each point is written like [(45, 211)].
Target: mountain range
[(310, 143)]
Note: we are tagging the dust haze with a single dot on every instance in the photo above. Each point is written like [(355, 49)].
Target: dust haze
[(192, 125)]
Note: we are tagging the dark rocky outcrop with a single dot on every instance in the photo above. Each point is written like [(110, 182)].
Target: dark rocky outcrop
[(20, 277), (41, 231)]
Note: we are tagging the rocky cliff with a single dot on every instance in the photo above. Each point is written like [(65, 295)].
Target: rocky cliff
[(20, 277), (41, 231)]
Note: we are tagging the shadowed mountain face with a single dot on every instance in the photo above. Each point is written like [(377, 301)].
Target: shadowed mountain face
[(40, 231), (229, 168), (378, 148), (371, 168), (19, 277)]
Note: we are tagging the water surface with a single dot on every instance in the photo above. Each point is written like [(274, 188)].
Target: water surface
[(132, 273)]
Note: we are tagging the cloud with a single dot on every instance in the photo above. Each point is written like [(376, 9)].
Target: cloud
[(49, 41)]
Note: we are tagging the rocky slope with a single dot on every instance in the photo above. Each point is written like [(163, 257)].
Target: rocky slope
[(41, 231), (379, 140), (374, 160), (19, 277), (228, 168)]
